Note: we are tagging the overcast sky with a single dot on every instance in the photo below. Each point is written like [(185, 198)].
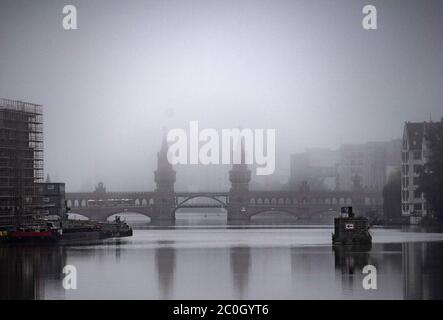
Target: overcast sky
[(306, 68)]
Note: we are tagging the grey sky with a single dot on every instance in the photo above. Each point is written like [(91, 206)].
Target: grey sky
[(305, 68)]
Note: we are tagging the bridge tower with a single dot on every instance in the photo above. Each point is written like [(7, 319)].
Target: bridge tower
[(100, 191), (164, 176), (239, 176)]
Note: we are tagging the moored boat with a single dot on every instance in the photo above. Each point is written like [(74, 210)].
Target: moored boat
[(67, 231), (351, 230)]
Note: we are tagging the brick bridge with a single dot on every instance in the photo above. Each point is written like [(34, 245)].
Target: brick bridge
[(240, 202)]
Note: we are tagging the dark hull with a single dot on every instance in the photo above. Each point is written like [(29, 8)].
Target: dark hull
[(351, 231), (354, 240), (57, 238), (67, 238)]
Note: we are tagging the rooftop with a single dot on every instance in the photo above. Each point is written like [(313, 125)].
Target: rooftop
[(18, 105)]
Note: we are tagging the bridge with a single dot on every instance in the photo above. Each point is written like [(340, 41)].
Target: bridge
[(295, 203), (240, 203)]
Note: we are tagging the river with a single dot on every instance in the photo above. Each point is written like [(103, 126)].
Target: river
[(212, 260)]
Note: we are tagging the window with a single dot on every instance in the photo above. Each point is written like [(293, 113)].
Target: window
[(417, 168), (405, 156), (417, 194), (405, 169), (407, 182), (46, 200), (51, 187), (417, 155), (405, 195), (417, 207)]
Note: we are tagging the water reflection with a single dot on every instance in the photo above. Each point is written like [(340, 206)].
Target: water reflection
[(349, 261), (415, 268), (31, 272), (423, 270), (118, 249), (165, 264), (227, 263), (240, 258)]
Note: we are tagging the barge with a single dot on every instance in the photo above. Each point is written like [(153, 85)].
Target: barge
[(66, 231), (351, 230)]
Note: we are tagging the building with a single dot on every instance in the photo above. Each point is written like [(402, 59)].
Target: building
[(53, 199), (316, 166), (21, 161), (369, 163), (414, 155)]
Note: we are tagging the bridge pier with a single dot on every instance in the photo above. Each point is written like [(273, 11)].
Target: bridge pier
[(237, 213)]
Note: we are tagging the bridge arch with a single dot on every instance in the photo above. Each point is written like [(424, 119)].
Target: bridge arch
[(293, 212), (182, 203), (122, 211), (125, 214), (77, 216)]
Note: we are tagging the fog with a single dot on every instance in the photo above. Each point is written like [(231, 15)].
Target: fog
[(304, 68)]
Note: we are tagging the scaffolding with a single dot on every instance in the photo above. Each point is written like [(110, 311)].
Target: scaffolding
[(21, 162)]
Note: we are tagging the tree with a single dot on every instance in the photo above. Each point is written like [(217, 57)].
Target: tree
[(392, 196), (431, 176)]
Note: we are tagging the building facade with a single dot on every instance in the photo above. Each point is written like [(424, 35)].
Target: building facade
[(414, 155), (21, 161), (369, 163), (316, 166), (53, 199)]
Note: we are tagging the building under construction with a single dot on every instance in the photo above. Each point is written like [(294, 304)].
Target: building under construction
[(21, 162)]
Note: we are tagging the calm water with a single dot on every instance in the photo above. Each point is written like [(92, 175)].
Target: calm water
[(215, 261)]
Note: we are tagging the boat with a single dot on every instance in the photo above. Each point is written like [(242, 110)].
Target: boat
[(351, 230), (37, 234), (67, 231)]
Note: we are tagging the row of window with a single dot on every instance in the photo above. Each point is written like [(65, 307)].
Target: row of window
[(415, 207), (405, 195), (417, 169), (416, 155), (405, 181)]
